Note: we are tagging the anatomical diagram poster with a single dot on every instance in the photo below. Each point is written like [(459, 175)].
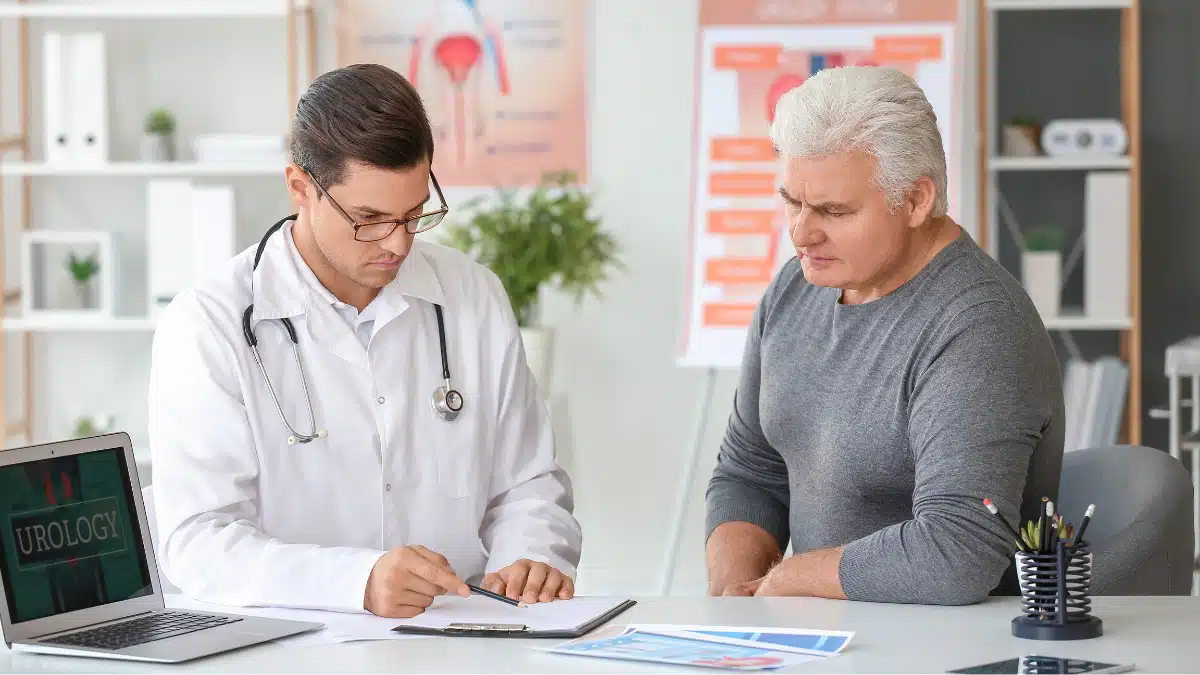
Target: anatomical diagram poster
[(749, 54), (503, 80)]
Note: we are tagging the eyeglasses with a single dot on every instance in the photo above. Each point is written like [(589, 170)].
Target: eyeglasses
[(382, 229)]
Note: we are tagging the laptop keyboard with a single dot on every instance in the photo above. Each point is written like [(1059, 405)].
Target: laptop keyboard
[(158, 626)]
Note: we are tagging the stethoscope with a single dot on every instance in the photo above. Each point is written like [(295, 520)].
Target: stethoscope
[(447, 401)]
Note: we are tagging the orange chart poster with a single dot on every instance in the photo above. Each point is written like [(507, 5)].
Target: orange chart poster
[(503, 80), (750, 53)]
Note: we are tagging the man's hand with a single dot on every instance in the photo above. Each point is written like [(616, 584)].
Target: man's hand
[(405, 581), (812, 574), (739, 554), (530, 582), (742, 588)]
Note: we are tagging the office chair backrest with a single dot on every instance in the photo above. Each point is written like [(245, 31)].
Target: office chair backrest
[(1141, 535)]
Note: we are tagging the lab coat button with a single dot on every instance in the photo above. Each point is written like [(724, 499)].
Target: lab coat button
[(388, 487), (379, 400)]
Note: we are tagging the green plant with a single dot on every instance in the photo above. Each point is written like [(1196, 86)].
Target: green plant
[(1044, 239), (93, 425), (160, 122), (82, 269), (549, 238)]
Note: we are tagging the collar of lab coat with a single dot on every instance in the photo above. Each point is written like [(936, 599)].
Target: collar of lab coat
[(280, 290)]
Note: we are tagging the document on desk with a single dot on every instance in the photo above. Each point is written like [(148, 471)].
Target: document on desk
[(627, 643), (338, 626), (574, 616)]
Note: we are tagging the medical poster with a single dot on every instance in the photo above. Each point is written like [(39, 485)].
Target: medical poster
[(503, 80), (750, 53)]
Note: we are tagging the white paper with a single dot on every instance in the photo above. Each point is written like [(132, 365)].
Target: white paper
[(339, 626), (556, 615)]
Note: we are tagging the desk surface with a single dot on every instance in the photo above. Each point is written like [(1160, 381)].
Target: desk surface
[(1155, 634)]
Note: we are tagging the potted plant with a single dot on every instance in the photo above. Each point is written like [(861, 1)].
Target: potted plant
[(83, 270), (158, 143), (549, 239), (1041, 269), (1021, 138)]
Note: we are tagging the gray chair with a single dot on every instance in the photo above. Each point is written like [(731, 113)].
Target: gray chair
[(1141, 534)]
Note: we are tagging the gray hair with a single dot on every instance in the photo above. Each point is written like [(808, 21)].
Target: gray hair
[(880, 111)]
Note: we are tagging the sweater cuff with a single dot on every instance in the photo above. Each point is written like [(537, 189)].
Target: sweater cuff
[(735, 502), (854, 570)]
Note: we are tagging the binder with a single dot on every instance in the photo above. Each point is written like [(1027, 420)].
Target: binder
[(75, 97), (89, 90), (54, 99), (515, 630)]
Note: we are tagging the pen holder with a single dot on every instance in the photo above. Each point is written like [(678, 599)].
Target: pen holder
[(1056, 595)]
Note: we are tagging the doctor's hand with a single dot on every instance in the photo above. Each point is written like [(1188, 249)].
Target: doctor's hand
[(405, 581), (530, 582)]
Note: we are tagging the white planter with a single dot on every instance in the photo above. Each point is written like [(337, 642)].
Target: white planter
[(1041, 274), (1019, 141), (539, 352)]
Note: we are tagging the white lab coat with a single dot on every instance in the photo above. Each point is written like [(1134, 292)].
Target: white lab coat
[(245, 519)]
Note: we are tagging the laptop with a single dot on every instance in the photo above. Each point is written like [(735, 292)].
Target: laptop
[(78, 567)]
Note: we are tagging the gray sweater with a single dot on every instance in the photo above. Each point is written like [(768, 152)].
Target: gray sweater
[(882, 426)]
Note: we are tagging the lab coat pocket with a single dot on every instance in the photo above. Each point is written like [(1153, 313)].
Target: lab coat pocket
[(458, 456)]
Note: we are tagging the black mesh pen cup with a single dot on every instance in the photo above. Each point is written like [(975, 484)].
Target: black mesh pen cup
[(1056, 600)]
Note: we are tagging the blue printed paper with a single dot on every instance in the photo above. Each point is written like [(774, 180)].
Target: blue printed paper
[(629, 644)]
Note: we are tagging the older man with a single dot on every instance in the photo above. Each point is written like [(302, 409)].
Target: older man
[(894, 376)]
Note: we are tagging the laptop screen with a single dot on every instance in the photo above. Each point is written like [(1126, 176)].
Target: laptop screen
[(69, 537)]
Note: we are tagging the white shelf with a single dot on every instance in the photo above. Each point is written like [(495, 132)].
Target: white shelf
[(142, 169), (148, 9), (1044, 163), (1077, 321), (120, 324), (1058, 4)]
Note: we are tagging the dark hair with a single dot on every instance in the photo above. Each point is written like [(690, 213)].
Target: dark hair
[(363, 113)]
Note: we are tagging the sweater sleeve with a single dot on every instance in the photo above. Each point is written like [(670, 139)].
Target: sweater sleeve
[(978, 409), (750, 481)]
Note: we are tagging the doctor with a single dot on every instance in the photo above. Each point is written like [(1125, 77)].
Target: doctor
[(396, 447)]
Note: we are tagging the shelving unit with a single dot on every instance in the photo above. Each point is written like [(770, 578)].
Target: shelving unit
[(26, 168), (1059, 163), (140, 169), (150, 9), (992, 165)]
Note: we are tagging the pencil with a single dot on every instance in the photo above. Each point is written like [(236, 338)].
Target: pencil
[(1041, 527), (495, 596), (996, 512)]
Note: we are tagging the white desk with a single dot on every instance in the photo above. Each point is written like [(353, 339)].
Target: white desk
[(1156, 634)]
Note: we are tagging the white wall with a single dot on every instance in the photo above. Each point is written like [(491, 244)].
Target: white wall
[(625, 411)]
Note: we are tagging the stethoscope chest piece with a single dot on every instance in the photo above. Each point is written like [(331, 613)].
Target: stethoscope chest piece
[(447, 402)]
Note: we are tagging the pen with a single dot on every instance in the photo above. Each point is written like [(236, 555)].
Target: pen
[(1087, 517), (996, 512), (495, 596)]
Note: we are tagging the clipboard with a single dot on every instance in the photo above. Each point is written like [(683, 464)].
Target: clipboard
[(515, 630)]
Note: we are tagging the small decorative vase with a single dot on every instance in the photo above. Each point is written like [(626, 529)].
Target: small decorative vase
[(85, 294), (1019, 141), (1041, 275), (158, 148)]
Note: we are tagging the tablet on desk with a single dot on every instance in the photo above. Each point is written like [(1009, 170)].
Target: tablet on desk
[(478, 616), (1046, 664)]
